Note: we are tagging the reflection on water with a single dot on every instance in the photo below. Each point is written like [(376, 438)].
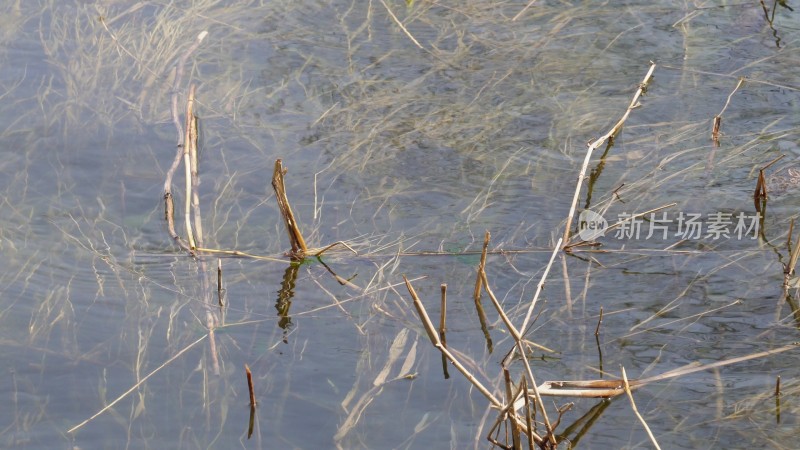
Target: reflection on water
[(285, 294), (408, 129)]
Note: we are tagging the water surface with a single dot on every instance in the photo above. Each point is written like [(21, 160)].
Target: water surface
[(402, 141)]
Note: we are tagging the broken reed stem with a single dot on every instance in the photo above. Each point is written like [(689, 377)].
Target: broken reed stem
[(718, 118), (477, 293), (443, 317), (481, 265), (515, 437), (521, 349), (793, 259), (169, 215), (250, 386), (760, 194), (198, 225), (328, 247), (193, 204), (239, 254), (188, 166), (636, 410), (778, 399), (612, 388), (299, 248), (715, 124), (443, 328), (540, 287), (599, 322), (598, 142), (431, 332), (169, 207), (528, 419), (176, 82), (219, 281)]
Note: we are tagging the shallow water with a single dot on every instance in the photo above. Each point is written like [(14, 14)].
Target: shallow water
[(399, 150)]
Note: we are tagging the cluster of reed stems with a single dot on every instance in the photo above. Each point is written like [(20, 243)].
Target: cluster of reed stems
[(521, 406)]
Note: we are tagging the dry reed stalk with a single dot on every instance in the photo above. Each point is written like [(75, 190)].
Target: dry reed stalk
[(528, 420), (137, 384), (477, 293), (188, 167), (169, 207), (599, 322), (239, 254), (251, 423), (193, 150), (596, 144), (778, 399), (515, 334), (715, 129), (718, 118), (760, 194), (515, 437), (540, 287), (191, 161), (319, 252), (443, 328), (636, 410), (793, 259), (402, 27), (250, 385), (178, 74), (342, 281), (434, 338), (219, 281), (299, 248), (612, 388), (510, 414), (169, 216)]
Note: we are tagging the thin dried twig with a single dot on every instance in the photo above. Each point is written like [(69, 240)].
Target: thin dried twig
[(402, 27), (612, 388), (636, 410), (139, 383), (188, 166), (520, 348), (434, 338), (523, 10), (596, 144), (718, 118), (540, 287), (477, 293)]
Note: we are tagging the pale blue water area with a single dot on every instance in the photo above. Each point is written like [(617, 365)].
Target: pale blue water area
[(408, 129)]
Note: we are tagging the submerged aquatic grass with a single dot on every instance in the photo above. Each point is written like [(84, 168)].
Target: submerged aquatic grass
[(410, 129)]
